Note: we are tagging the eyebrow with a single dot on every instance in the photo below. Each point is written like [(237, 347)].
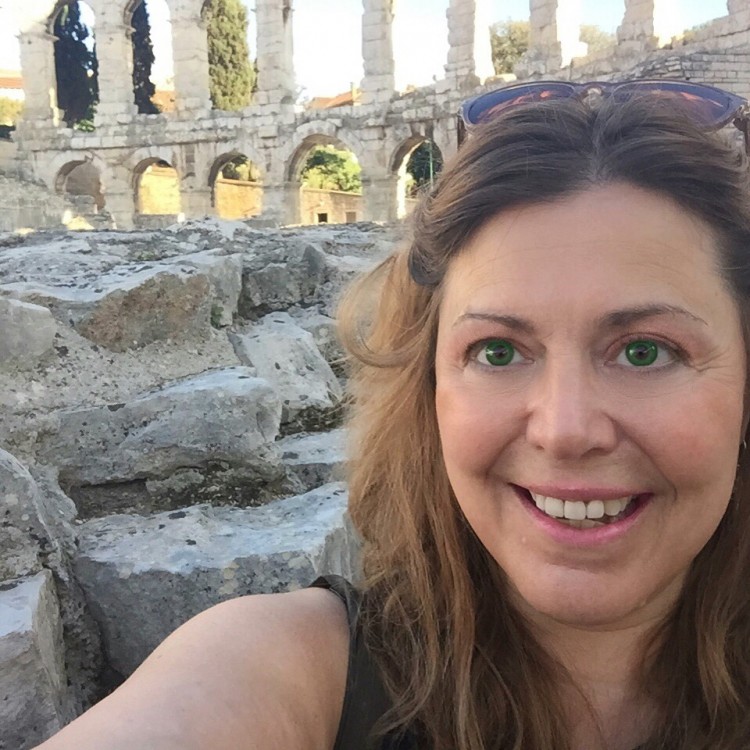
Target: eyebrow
[(614, 319)]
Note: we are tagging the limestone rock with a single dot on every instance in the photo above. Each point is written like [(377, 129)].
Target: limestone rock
[(221, 420), (146, 576), (316, 458), (25, 539), (27, 333), (33, 695), (323, 330), (286, 356)]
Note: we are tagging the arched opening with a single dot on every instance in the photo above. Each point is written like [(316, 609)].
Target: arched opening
[(81, 183), (232, 71), (76, 65), (236, 189), (417, 163), (157, 189), (153, 58), (411, 26), (330, 179)]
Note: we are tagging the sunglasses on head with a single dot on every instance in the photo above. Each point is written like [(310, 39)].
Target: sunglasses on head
[(710, 107)]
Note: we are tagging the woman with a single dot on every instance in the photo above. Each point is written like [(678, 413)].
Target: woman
[(549, 414)]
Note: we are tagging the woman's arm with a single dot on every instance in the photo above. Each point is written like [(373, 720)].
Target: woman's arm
[(254, 673)]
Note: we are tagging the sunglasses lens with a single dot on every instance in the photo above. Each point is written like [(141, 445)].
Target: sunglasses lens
[(486, 106), (705, 105)]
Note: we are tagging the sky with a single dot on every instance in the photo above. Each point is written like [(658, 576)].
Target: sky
[(327, 39)]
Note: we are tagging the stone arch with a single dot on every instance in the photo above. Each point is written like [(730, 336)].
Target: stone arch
[(81, 181), (399, 166), (156, 187), (236, 198), (82, 79), (162, 99), (318, 133)]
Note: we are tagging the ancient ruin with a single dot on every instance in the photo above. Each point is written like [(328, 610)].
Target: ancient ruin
[(170, 399), (381, 129)]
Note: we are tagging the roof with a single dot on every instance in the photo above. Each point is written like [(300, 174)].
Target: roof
[(11, 79), (340, 100)]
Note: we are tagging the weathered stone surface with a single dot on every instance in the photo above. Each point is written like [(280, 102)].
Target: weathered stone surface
[(315, 458), (285, 355), (25, 539), (146, 576), (33, 694), (218, 421), (26, 333), (323, 330)]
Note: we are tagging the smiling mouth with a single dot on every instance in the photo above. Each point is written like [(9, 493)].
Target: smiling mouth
[(590, 514)]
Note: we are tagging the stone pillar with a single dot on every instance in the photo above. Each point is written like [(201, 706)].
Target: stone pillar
[(39, 79), (380, 198), (736, 6), (555, 27), (275, 45), (281, 203), (191, 78), (114, 51), (648, 24), (469, 51), (379, 82)]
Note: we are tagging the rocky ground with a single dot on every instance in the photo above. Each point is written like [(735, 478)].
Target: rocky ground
[(170, 407)]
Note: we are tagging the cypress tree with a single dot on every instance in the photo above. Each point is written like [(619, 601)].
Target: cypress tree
[(424, 164), (231, 72), (76, 68), (143, 62)]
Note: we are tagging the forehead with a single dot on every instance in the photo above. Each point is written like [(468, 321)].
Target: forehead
[(610, 241)]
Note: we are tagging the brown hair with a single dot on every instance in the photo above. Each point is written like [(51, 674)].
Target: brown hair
[(460, 663)]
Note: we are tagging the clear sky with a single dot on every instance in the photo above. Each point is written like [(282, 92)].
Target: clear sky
[(328, 35)]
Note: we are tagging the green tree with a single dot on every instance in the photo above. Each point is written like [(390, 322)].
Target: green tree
[(232, 75), (424, 164), (329, 168), (76, 68), (143, 61), (509, 40), (596, 38), (10, 110)]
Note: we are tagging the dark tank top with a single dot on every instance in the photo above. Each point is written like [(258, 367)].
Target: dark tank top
[(365, 700)]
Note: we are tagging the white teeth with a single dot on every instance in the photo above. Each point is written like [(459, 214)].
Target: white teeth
[(576, 510)]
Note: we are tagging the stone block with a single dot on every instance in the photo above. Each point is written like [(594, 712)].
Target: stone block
[(33, 692), (286, 356), (27, 333), (316, 458), (145, 576)]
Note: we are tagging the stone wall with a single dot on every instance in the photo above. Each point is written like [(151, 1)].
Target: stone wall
[(276, 135), (170, 404)]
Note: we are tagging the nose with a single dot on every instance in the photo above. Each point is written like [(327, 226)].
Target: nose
[(569, 415)]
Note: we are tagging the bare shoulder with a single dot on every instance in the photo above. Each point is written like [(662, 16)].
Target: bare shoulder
[(258, 672)]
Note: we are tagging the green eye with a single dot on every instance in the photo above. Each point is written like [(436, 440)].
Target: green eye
[(498, 353), (642, 353)]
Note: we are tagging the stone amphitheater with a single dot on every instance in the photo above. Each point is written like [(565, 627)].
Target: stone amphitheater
[(171, 399)]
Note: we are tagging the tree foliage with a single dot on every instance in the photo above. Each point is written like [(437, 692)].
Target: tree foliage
[(423, 166), (509, 40), (329, 168), (10, 110), (143, 61), (231, 73), (596, 38), (240, 168), (76, 68)]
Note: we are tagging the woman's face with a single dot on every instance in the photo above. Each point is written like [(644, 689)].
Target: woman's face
[(590, 364)]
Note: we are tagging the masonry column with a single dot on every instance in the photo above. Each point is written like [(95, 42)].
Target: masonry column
[(114, 51), (469, 50), (555, 28), (39, 80), (736, 6), (191, 77), (379, 82), (281, 203), (648, 24), (380, 198), (275, 47)]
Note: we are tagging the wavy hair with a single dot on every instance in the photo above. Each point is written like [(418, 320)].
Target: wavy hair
[(461, 664)]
